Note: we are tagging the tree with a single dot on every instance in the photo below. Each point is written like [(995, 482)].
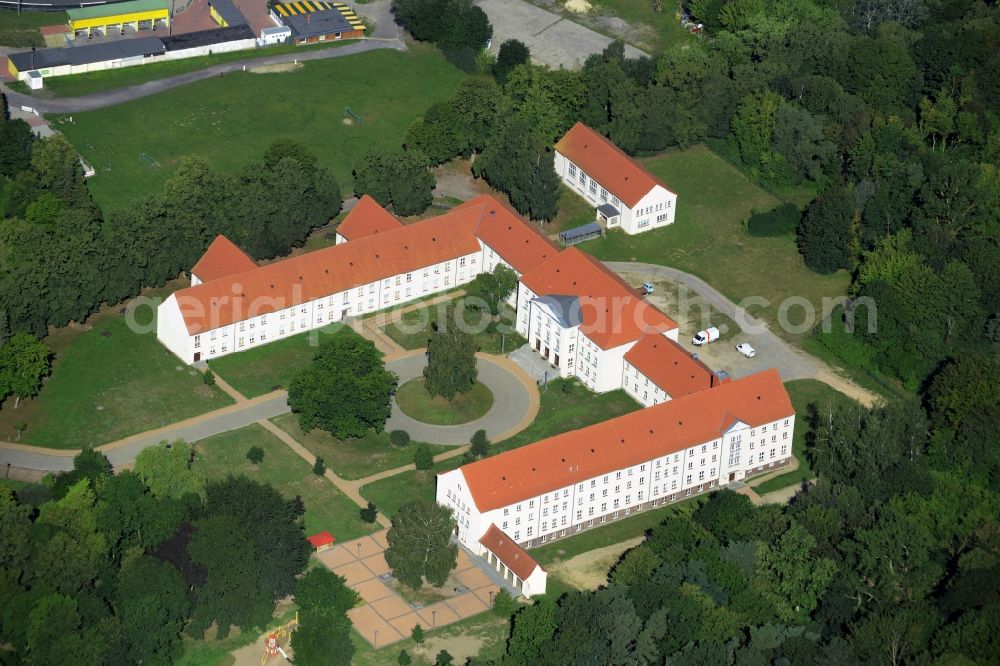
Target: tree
[(490, 290), (323, 639), (825, 235), (24, 363), (319, 467), (320, 589), (417, 634), (480, 444), (152, 602), (369, 513), (324, 636), (166, 469), (346, 390), (511, 54), (444, 658), (404, 658), (255, 455), (504, 605), (423, 459), (398, 178), (399, 438), (753, 130), (519, 162), (420, 544), (16, 139), (250, 542), (451, 358)]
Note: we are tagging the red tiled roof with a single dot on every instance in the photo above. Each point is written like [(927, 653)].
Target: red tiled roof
[(513, 556), (607, 164), (222, 258), (669, 366), (612, 313), (320, 539), (367, 218), (295, 280), (634, 438), (519, 243)]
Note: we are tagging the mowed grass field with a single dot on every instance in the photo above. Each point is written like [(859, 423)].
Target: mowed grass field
[(231, 120), (326, 507), (708, 239), (108, 382)]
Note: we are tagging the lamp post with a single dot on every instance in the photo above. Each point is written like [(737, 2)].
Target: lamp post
[(359, 550), (375, 644), (433, 618), (491, 598)]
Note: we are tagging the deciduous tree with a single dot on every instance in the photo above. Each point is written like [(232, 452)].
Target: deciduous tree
[(420, 544), (451, 358), (24, 363)]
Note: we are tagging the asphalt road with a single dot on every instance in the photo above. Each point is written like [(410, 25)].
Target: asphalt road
[(510, 403), (108, 98)]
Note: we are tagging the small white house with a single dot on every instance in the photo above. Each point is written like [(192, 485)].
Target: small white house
[(624, 195)]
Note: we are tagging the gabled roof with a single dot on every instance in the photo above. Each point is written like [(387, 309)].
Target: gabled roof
[(669, 366), (612, 314), (88, 53), (116, 8), (605, 162), (519, 243), (320, 539), (667, 428), (513, 556), (367, 218), (222, 258), (306, 277)]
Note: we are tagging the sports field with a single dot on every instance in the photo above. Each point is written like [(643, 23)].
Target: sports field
[(231, 120)]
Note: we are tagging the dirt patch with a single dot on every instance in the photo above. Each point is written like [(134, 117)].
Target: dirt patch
[(274, 69), (614, 24), (459, 647), (588, 571), (578, 6)]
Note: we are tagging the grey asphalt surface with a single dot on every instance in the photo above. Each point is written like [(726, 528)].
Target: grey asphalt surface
[(510, 404), (126, 453), (108, 98), (553, 40), (772, 351)]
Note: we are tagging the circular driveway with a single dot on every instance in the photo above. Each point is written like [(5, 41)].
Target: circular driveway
[(514, 396)]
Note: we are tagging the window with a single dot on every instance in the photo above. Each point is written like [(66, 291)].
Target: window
[(572, 170), (197, 341)]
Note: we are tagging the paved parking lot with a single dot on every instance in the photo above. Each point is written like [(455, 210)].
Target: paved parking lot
[(552, 39), (384, 617)]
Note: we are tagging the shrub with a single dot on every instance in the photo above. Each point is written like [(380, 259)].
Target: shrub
[(319, 467), (417, 634), (255, 455), (504, 605), (399, 438), (404, 658), (209, 378), (480, 444), (780, 221), (369, 513), (423, 458)]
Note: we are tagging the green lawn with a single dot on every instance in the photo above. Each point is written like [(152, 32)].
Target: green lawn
[(326, 507), (416, 402), (230, 121), (648, 30), (412, 329), (611, 533), (559, 412), (574, 211), (85, 84), (352, 458), (271, 367), (486, 629), (21, 30), (803, 392), (107, 383), (708, 239)]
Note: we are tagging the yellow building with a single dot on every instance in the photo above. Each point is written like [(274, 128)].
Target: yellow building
[(116, 17)]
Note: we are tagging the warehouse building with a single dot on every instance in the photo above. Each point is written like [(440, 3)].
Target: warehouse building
[(118, 17), (312, 21), (87, 58)]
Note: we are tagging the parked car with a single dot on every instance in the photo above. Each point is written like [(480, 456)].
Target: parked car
[(710, 334), (647, 288), (745, 349)]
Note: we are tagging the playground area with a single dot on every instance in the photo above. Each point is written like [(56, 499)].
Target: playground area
[(385, 616)]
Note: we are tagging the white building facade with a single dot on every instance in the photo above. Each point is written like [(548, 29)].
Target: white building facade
[(624, 195), (576, 499)]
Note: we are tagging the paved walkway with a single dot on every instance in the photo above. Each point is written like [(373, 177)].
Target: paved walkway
[(108, 98), (772, 350), (384, 616)]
